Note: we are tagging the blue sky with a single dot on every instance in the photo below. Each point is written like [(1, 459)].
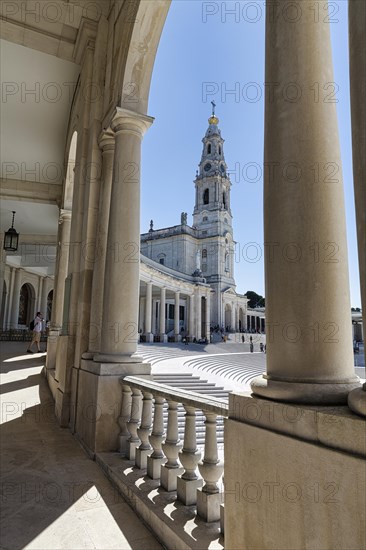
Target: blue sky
[(205, 53)]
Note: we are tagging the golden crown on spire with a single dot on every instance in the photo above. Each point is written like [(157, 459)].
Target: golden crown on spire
[(213, 119)]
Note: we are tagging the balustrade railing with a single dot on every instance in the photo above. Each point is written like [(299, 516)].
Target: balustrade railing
[(155, 446)]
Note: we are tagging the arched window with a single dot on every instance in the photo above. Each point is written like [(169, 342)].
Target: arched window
[(219, 149), (209, 149), (224, 200), (206, 196), (204, 253)]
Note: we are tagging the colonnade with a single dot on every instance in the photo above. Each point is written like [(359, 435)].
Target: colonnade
[(40, 287), (154, 316)]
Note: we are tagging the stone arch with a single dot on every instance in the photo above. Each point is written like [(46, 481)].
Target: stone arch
[(27, 300), (68, 190), (134, 72)]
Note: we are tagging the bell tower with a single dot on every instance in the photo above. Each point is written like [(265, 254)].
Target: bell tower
[(212, 211)]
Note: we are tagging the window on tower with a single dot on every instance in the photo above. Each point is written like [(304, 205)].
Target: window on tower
[(206, 196), (209, 149), (224, 200), (204, 253), (219, 149)]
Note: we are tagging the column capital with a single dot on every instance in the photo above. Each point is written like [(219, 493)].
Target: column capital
[(64, 215), (130, 122), (106, 140)]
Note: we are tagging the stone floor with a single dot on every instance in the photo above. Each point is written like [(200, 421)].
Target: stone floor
[(52, 495)]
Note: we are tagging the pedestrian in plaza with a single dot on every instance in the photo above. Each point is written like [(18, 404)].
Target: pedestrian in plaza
[(36, 332), (251, 347)]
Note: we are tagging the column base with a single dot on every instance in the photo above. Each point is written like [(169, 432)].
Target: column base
[(187, 490), (132, 447), (208, 505), (88, 354), (163, 338), (149, 337), (357, 400), (301, 392), (168, 477), (117, 358), (154, 467), (177, 337), (141, 458)]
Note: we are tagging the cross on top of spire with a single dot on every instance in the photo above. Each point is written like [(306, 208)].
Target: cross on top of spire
[(213, 107)]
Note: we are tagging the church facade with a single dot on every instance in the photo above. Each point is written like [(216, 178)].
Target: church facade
[(201, 256)]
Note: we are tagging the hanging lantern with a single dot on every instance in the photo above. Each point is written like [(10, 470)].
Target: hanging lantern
[(11, 238)]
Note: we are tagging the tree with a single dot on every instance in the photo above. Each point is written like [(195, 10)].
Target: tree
[(255, 300)]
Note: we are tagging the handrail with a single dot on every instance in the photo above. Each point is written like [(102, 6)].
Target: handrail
[(190, 398)]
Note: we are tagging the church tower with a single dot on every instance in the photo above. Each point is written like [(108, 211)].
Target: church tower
[(212, 218)]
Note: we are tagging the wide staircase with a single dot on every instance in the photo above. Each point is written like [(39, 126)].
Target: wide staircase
[(186, 381)]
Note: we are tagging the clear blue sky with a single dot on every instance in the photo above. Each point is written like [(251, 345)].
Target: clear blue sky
[(202, 57)]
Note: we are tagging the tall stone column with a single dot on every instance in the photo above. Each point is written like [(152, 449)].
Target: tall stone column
[(309, 341), (15, 301), (191, 316), (233, 315), (357, 58), (208, 316), (9, 303), (122, 284), (198, 315), (44, 297), (39, 295), (107, 145), (176, 317), (148, 302), (162, 321), (2, 274), (61, 268)]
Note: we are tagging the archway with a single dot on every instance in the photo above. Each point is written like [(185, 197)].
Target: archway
[(26, 304)]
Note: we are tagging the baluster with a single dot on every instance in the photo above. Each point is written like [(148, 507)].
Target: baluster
[(188, 482), (209, 497), (171, 448), (133, 423), (144, 431), (124, 418), (157, 458)]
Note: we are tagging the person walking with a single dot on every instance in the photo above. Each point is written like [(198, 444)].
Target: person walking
[(251, 347), (36, 334)]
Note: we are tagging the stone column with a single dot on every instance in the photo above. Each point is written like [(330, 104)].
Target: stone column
[(44, 296), (148, 334), (39, 295), (357, 55), (162, 323), (309, 343), (61, 268), (120, 302), (15, 301), (10, 298), (176, 317), (232, 322), (2, 274), (208, 316), (106, 143), (191, 316), (198, 315)]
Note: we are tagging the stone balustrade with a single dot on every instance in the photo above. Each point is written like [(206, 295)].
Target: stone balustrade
[(154, 445)]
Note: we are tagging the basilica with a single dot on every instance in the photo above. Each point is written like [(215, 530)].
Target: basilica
[(194, 266)]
